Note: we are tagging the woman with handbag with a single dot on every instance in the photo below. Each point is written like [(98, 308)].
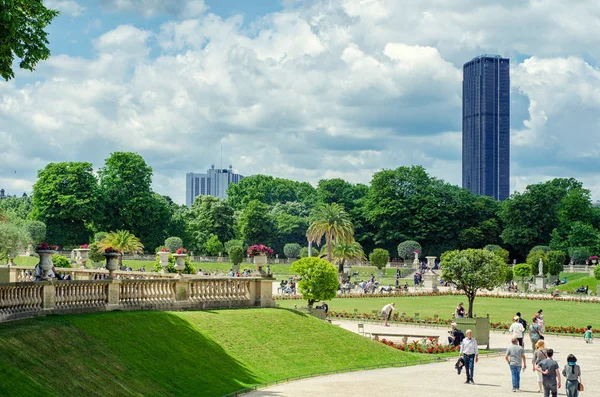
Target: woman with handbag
[(540, 353), (572, 374), (535, 333)]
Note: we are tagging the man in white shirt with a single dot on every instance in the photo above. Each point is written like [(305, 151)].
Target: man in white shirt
[(517, 330), (470, 354)]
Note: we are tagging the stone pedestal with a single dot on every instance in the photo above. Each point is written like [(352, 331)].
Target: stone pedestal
[(430, 282), (540, 282)]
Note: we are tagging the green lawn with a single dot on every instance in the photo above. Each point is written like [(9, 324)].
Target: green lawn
[(500, 310), (207, 353), (575, 282)]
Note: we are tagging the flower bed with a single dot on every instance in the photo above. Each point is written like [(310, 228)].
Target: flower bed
[(427, 346)]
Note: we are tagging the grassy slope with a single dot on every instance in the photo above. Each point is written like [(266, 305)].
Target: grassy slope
[(177, 353), (500, 310), (575, 282)]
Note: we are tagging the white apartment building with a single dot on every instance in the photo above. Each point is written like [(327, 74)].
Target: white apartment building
[(214, 183)]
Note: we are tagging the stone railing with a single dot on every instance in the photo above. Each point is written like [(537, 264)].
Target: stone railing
[(30, 299), (16, 274)]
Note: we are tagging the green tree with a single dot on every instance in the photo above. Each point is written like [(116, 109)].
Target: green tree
[(471, 270), (318, 279), (210, 215), (269, 190), (333, 223), (288, 229), (379, 257), (23, 35), (96, 254), (533, 260), (499, 251), (579, 255), (344, 251), (522, 270), (292, 250), (597, 272), (36, 230), (255, 223), (236, 255), (407, 248), (304, 252), (233, 243), (20, 206), (60, 261), (478, 236), (213, 246), (12, 239), (556, 262), (173, 243), (339, 191), (583, 235), (65, 198), (122, 240)]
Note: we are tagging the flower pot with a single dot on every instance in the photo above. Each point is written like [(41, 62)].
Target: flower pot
[(112, 262), (179, 262), (164, 260), (82, 256), (260, 261), (46, 261)]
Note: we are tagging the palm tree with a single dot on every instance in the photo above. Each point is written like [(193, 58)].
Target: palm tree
[(123, 241), (333, 223), (346, 251)]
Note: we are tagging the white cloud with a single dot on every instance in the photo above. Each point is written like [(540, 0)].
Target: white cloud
[(151, 8), (68, 7), (320, 89)]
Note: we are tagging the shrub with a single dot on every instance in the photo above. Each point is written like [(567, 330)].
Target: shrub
[(60, 261), (292, 250), (407, 248), (304, 252), (36, 230), (509, 275), (95, 254), (213, 245), (499, 251), (542, 248), (556, 262), (236, 255), (597, 272), (234, 243), (189, 268), (379, 257), (173, 243), (522, 270), (533, 260), (100, 236), (579, 255)]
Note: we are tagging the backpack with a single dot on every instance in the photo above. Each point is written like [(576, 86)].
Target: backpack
[(523, 323), (460, 336)]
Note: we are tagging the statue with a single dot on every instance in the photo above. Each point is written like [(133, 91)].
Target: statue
[(540, 267)]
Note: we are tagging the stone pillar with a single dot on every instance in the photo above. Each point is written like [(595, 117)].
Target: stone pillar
[(114, 290), (182, 290), (48, 295), (430, 279), (540, 282), (261, 292)]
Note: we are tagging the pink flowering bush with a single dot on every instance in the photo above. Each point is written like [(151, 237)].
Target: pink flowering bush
[(259, 249)]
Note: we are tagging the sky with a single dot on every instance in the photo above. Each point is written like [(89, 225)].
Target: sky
[(302, 89)]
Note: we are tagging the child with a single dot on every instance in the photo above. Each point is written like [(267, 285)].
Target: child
[(588, 335)]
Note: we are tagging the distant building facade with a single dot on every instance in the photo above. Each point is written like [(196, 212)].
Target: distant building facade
[(486, 126), (213, 183)]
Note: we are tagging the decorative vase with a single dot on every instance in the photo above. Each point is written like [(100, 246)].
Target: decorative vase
[(179, 262), (164, 260), (112, 263), (594, 261), (82, 256), (46, 262), (260, 260)]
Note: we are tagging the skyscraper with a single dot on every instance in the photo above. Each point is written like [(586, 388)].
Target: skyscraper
[(486, 126), (214, 183)]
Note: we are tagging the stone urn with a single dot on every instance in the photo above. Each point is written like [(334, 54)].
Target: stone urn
[(260, 260), (46, 262), (164, 260), (82, 256), (179, 262), (112, 262)]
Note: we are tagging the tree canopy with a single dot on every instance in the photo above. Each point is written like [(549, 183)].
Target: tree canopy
[(331, 222), (319, 279)]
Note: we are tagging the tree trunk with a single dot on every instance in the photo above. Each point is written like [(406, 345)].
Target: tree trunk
[(470, 299), (120, 260), (329, 249), (341, 271), (310, 303)]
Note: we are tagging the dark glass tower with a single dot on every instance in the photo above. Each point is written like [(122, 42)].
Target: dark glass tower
[(486, 126)]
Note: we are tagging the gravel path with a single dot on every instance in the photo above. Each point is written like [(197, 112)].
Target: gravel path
[(492, 375)]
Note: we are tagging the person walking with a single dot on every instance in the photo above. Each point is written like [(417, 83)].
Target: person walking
[(517, 330), (540, 353), (515, 357), (469, 352), (588, 335), (572, 374), (524, 324), (386, 313), (535, 332), (541, 322), (550, 374)]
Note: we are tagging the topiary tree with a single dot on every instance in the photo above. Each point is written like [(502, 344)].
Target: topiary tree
[(379, 257), (173, 243), (579, 255), (304, 252), (533, 260), (60, 261), (236, 255), (36, 230), (318, 279), (292, 250), (496, 249), (407, 248), (556, 262), (234, 243), (213, 246), (471, 270)]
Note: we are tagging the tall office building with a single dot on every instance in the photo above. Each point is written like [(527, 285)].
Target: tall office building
[(486, 126), (214, 183)]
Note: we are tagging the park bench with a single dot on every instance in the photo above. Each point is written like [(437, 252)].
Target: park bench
[(404, 337)]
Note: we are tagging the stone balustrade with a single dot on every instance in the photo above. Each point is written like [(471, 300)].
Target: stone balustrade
[(17, 274), (29, 299)]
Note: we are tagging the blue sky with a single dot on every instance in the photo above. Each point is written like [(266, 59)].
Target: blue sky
[(302, 89)]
